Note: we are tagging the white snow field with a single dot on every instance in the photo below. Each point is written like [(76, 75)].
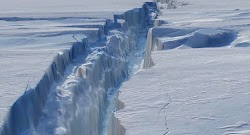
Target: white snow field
[(62, 62), (195, 79), (65, 6), (189, 92)]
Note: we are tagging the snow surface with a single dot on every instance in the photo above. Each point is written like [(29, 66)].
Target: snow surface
[(187, 90), (232, 15), (191, 92), (17, 74), (48, 6)]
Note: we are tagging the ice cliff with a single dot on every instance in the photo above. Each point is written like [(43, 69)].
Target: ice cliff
[(75, 94), (166, 38)]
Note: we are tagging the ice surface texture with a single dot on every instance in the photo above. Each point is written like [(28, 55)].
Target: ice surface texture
[(72, 96), (27, 110), (195, 81)]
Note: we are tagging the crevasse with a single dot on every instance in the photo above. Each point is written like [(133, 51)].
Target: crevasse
[(75, 95)]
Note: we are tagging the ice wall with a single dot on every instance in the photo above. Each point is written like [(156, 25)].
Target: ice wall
[(114, 124), (148, 60), (165, 38), (72, 97), (136, 27), (26, 111), (88, 88)]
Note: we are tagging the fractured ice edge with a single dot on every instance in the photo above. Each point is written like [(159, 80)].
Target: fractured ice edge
[(72, 96), (77, 93)]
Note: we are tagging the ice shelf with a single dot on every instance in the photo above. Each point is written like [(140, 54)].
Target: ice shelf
[(74, 93), (194, 80), (188, 91)]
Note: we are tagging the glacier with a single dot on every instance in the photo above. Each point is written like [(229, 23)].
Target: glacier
[(73, 96)]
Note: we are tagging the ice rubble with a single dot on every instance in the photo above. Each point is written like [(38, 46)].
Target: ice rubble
[(75, 88)]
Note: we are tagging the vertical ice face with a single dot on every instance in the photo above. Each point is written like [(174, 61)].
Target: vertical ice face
[(135, 17), (165, 38), (136, 27), (147, 59), (73, 96), (83, 97), (27, 110)]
